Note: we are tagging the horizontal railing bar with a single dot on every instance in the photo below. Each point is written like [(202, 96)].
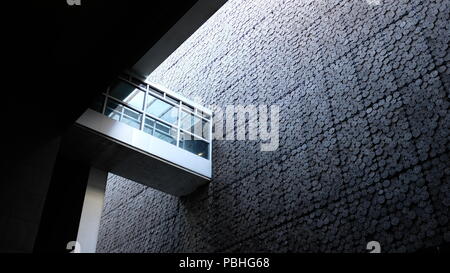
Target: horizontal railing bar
[(195, 114), (201, 138)]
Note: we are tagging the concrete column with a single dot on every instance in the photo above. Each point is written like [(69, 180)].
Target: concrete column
[(92, 211)]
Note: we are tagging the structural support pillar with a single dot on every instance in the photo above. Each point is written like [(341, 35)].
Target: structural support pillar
[(92, 211)]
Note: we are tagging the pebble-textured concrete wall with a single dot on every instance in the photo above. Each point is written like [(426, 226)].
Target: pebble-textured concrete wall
[(364, 135)]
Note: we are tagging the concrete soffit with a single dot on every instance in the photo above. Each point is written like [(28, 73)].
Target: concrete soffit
[(176, 36)]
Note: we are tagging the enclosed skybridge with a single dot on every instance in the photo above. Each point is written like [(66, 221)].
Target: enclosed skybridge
[(148, 134)]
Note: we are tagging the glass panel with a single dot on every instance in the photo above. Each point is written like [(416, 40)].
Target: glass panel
[(157, 92), (128, 93), (194, 145), (162, 109), (124, 114), (97, 104), (205, 127), (160, 130), (168, 134), (139, 83), (188, 107), (132, 118), (174, 100), (113, 110), (194, 125), (149, 126)]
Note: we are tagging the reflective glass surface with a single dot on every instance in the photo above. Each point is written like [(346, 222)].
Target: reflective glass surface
[(113, 110), (160, 130), (128, 93), (131, 118), (194, 125), (194, 145), (161, 109)]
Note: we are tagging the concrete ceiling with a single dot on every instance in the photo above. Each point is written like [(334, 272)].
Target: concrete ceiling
[(179, 33)]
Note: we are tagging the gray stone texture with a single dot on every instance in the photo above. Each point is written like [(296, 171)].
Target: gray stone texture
[(364, 92)]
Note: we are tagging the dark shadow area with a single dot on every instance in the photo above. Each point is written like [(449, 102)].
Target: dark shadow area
[(59, 58)]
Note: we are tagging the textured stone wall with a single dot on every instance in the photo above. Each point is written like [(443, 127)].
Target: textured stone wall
[(364, 134)]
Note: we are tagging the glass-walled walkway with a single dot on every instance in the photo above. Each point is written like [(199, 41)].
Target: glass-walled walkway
[(162, 114)]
